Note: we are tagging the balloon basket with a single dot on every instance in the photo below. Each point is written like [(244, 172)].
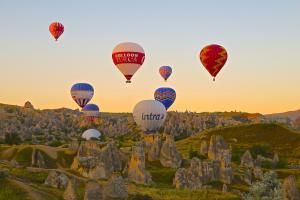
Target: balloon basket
[(128, 81)]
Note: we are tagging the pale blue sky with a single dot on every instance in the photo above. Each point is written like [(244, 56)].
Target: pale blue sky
[(262, 39)]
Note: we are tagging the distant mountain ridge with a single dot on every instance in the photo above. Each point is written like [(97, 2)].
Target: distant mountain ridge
[(293, 115)]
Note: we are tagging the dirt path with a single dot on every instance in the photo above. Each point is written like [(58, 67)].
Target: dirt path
[(33, 193)]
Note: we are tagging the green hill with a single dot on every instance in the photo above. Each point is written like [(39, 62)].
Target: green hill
[(277, 138)]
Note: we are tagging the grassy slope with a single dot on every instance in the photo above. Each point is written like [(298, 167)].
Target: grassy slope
[(280, 139), (9, 190)]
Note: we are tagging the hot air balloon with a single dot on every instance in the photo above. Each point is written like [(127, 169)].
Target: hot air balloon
[(213, 58), (91, 133), (56, 29), (149, 115), (128, 57), (82, 93), (165, 72), (91, 112), (165, 95)]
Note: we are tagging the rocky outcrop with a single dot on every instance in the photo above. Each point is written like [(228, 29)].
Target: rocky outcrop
[(136, 167), (37, 159), (247, 160), (115, 189), (28, 105), (198, 174), (224, 188), (258, 172), (216, 147), (93, 191), (247, 176), (169, 156), (204, 148), (97, 160), (56, 179), (154, 150), (70, 192), (275, 160), (290, 190)]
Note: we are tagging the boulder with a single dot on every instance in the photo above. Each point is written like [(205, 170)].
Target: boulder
[(115, 189), (93, 191), (56, 179), (169, 156), (70, 192), (290, 191), (204, 148), (136, 167), (97, 160), (247, 160)]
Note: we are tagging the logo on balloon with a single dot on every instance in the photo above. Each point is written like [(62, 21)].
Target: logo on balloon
[(128, 57), (152, 116)]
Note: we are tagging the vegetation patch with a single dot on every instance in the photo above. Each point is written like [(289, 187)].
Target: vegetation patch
[(23, 156), (10, 191)]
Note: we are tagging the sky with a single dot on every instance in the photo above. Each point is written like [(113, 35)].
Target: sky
[(262, 39)]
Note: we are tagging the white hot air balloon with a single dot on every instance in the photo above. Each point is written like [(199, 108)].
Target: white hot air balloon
[(128, 57), (91, 133), (149, 115)]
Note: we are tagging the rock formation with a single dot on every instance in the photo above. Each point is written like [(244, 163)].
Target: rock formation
[(258, 172), (97, 160), (198, 174), (247, 176), (154, 149), (216, 146), (136, 167), (204, 148), (93, 191), (56, 179), (290, 190), (169, 156), (247, 160), (28, 105), (70, 193), (115, 189), (225, 188), (37, 159)]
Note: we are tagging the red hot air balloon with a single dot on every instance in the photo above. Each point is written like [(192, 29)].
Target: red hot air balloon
[(213, 58), (128, 57), (56, 29)]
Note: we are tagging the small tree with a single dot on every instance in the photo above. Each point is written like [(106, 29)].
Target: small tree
[(269, 188)]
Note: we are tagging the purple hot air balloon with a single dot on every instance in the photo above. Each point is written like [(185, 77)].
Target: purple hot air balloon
[(165, 72)]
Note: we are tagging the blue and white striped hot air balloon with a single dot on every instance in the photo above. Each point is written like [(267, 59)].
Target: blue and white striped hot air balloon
[(82, 93), (91, 112), (165, 95)]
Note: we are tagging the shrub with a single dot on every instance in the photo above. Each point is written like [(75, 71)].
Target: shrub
[(259, 149), (55, 143), (12, 138)]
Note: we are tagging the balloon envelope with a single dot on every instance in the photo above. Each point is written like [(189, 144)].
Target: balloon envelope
[(91, 112), (128, 57), (165, 72), (91, 133), (82, 93), (56, 29), (213, 58), (165, 95), (149, 115)]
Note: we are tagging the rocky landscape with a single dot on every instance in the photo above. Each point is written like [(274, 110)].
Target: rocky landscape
[(203, 156)]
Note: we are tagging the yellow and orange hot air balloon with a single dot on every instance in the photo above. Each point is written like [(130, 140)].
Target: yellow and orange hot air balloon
[(56, 29), (213, 57)]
